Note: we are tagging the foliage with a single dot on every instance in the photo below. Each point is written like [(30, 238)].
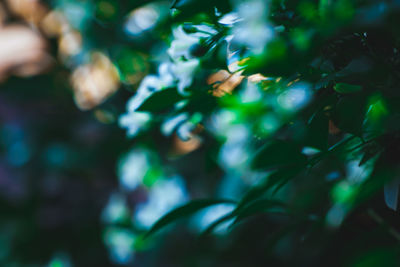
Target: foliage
[(267, 130)]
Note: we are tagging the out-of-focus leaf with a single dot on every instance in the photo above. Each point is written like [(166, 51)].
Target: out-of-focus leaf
[(278, 178), (356, 66), (391, 191), (371, 151), (317, 131), (184, 211), (382, 174), (350, 113), (345, 88), (378, 257), (258, 206), (201, 101), (161, 100), (216, 223), (278, 154)]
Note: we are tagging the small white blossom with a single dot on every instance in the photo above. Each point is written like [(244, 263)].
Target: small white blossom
[(180, 46), (183, 71), (148, 86), (170, 124), (181, 43), (134, 122), (229, 19)]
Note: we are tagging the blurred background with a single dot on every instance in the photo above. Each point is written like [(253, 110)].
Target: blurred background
[(70, 181), (57, 163)]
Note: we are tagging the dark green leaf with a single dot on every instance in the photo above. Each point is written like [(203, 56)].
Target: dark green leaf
[(350, 113), (216, 223), (371, 151), (345, 88), (317, 131), (161, 100), (184, 211), (278, 154), (258, 206), (278, 179)]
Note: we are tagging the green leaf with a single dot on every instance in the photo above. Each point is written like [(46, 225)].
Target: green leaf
[(258, 206), (345, 88), (161, 100), (349, 114), (278, 154), (184, 211), (381, 175), (371, 151), (278, 179), (317, 131), (216, 223)]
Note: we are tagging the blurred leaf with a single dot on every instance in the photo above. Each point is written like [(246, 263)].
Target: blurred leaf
[(356, 66), (387, 257), (279, 178), (184, 211), (259, 206), (345, 88), (278, 154), (381, 175), (371, 151), (216, 223), (350, 113), (391, 192), (161, 100), (317, 131)]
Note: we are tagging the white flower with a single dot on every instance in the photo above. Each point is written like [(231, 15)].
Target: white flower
[(177, 73), (134, 122), (229, 19), (170, 124), (152, 84), (148, 86), (182, 41), (185, 130), (183, 71), (166, 75)]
